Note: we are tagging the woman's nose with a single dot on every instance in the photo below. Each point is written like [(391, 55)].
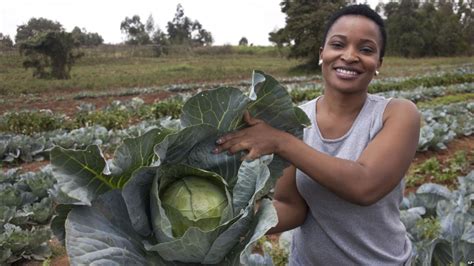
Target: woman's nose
[(350, 55)]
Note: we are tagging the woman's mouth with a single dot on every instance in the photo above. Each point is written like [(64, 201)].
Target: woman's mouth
[(347, 73)]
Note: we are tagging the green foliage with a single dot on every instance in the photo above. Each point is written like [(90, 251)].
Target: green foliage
[(428, 30), (24, 215), (50, 50), (34, 27), (85, 38), (5, 41), (443, 80), (243, 42), (169, 107), (111, 119), (150, 164), (448, 99), (304, 28), (29, 122), (304, 95), (440, 172), (428, 228), (183, 31), (135, 30)]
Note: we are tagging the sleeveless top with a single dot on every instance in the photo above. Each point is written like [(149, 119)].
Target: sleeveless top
[(337, 232)]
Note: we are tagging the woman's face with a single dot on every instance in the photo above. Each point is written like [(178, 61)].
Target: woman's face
[(351, 54)]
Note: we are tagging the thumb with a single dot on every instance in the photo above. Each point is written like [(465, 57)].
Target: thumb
[(249, 119)]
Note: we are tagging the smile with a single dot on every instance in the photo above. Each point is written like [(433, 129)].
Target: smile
[(346, 73)]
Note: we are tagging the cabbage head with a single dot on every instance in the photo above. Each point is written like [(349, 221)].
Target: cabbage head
[(165, 198)]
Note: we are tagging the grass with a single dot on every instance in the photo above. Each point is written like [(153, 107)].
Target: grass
[(109, 72), (440, 171), (109, 68), (447, 99)]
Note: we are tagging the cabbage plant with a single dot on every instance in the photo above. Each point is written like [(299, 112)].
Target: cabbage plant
[(165, 198), (453, 242)]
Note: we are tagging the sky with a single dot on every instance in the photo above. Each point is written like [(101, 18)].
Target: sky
[(227, 20)]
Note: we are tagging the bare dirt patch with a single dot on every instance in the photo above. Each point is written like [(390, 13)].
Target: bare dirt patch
[(68, 105)]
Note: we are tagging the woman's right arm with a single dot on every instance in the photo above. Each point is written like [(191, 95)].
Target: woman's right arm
[(290, 206)]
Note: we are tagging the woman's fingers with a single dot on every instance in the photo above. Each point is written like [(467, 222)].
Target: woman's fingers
[(227, 137)]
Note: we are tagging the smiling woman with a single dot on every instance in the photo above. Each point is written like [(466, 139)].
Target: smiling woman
[(345, 185)]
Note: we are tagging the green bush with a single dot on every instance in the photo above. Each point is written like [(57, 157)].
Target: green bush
[(29, 122), (112, 119), (298, 96), (169, 107)]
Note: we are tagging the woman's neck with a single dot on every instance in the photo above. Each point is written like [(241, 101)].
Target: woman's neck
[(342, 104)]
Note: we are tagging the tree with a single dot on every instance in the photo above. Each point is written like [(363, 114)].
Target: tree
[(183, 31), (85, 38), (465, 15), (304, 29), (427, 30), (150, 26), (135, 30), (54, 50), (5, 41), (243, 42), (35, 26)]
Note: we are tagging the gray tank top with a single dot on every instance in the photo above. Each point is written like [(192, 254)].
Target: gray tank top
[(337, 232)]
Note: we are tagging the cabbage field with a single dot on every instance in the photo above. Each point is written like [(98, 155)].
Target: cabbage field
[(98, 171)]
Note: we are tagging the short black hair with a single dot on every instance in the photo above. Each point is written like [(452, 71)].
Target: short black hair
[(358, 10)]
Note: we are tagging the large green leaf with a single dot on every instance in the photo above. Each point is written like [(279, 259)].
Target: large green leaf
[(102, 234), (135, 153), (80, 174), (84, 174), (264, 219), (252, 178), (273, 105), (59, 220), (221, 108), (136, 194), (193, 146)]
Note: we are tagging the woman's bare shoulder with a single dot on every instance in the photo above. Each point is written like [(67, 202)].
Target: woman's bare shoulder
[(401, 109)]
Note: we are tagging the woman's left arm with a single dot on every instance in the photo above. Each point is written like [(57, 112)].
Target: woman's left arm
[(373, 175)]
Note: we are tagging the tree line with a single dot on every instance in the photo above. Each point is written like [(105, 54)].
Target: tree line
[(444, 28), (182, 31), (51, 51)]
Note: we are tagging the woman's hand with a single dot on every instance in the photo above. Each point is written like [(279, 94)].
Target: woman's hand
[(258, 139)]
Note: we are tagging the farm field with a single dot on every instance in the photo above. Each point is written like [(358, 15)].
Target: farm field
[(114, 95)]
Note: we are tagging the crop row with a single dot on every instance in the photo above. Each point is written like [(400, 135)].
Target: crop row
[(440, 125), (120, 115), (416, 94), (25, 213)]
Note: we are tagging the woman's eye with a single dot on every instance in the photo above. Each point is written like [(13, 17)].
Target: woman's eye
[(337, 45), (367, 50)]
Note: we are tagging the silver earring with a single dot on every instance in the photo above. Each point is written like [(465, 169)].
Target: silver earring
[(320, 62), (377, 72)]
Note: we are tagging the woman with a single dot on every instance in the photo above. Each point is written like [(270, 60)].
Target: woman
[(344, 187)]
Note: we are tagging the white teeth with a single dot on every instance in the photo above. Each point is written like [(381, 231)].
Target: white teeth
[(347, 72)]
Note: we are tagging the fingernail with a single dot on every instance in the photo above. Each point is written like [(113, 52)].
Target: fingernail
[(215, 150), (219, 141)]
